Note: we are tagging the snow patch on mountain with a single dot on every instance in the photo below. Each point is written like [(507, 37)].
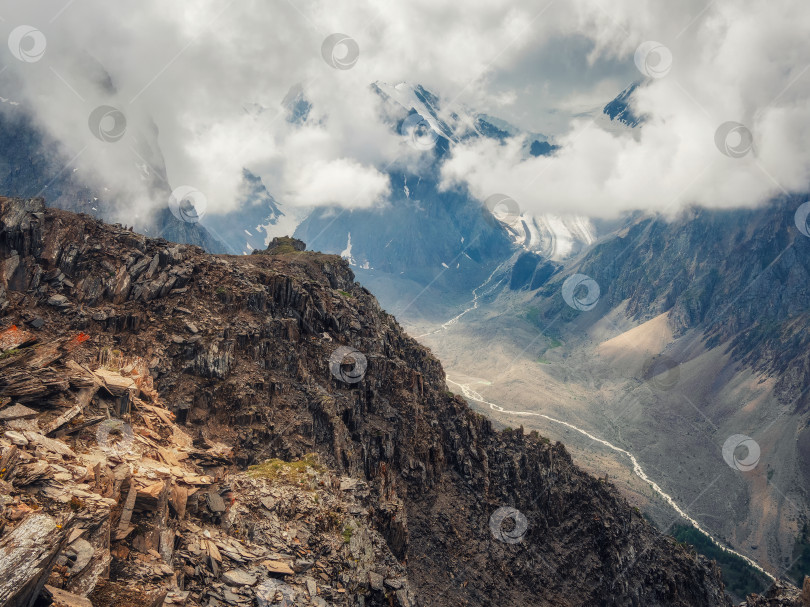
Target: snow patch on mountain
[(347, 252), (283, 224), (555, 237), (423, 102)]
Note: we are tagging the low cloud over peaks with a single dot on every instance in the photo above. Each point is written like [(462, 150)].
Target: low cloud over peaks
[(172, 72)]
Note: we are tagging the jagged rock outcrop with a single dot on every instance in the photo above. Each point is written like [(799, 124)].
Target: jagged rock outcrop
[(284, 244), (782, 595), (85, 497), (239, 349)]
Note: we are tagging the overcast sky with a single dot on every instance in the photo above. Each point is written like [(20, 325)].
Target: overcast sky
[(212, 74)]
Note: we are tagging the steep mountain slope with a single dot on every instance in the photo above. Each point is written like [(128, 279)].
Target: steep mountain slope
[(426, 234), (435, 220), (243, 350), (739, 276), (421, 235), (619, 109), (697, 335)]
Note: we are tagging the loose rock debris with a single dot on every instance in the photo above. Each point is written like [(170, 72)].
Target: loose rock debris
[(254, 377), (105, 500)]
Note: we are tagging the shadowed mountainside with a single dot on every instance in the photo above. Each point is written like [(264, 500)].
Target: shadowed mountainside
[(239, 348)]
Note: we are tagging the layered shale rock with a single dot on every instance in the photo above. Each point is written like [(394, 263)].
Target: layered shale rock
[(379, 488)]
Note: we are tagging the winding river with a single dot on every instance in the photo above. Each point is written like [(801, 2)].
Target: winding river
[(472, 395)]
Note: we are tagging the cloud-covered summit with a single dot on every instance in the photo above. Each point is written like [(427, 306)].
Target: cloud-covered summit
[(211, 76)]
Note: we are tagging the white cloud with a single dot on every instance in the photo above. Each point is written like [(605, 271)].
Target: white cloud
[(343, 182), (737, 63), (211, 77)]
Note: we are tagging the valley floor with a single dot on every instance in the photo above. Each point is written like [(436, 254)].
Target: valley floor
[(660, 444)]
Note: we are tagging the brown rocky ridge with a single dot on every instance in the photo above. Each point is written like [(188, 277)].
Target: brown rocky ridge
[(172, 432)]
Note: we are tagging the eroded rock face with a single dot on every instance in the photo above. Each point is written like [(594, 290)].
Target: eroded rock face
[(782, 594), (255, 375)]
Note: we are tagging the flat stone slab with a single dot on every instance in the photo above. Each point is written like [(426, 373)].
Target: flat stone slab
[(17, 438), (17, 411), (50, 444), (61, 598), (238, 577), (58, 301), (275, 566)]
